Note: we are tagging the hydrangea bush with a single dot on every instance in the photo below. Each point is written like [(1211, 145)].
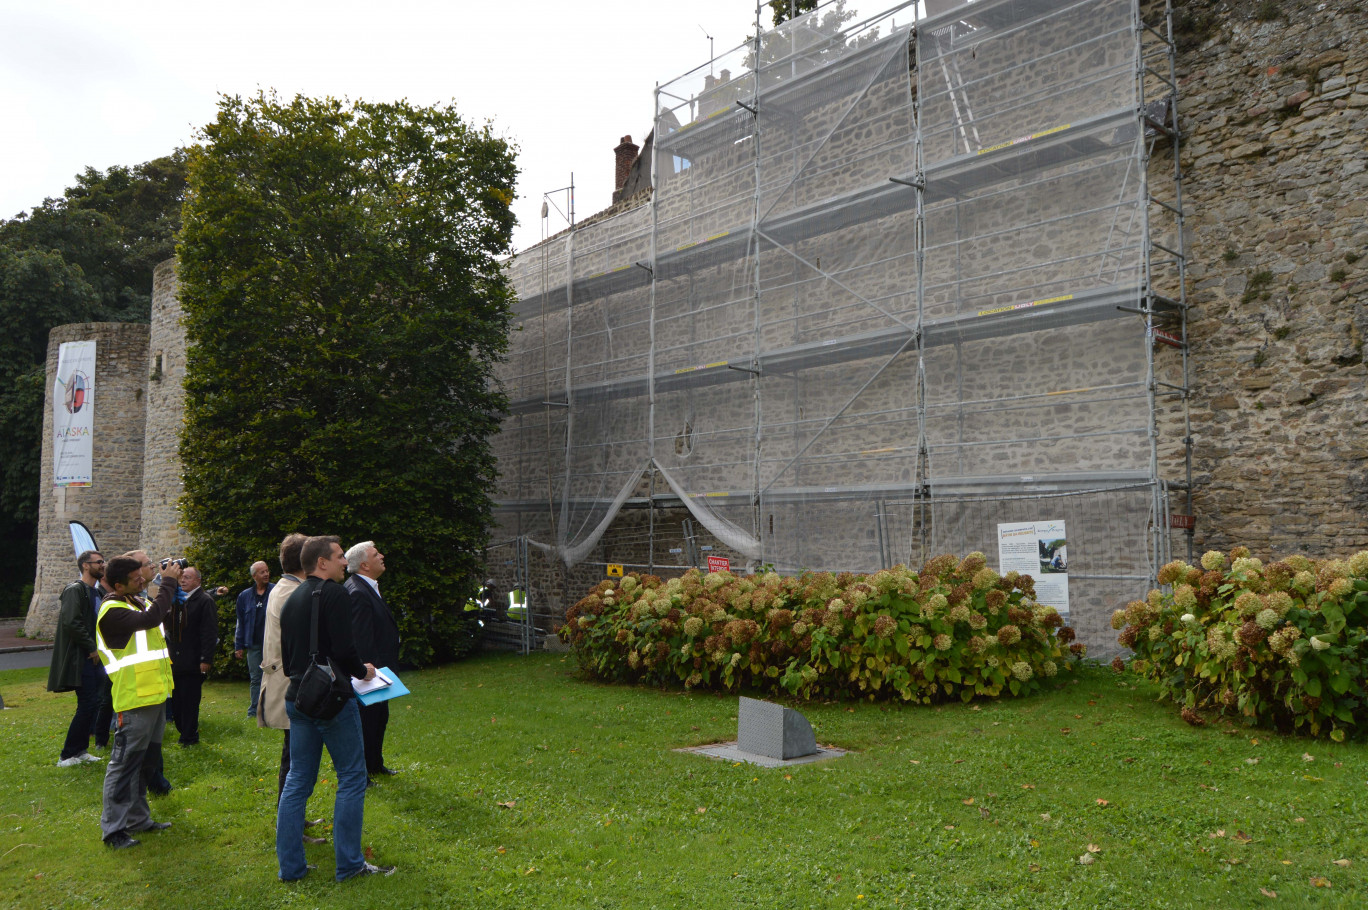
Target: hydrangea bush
[(1280, 645), (956, 629)]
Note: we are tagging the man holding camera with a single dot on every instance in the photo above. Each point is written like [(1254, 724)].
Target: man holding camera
[(191, 635), (131, 648)]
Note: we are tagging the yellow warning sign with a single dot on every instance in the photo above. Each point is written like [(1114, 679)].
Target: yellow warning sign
[(614, 571)]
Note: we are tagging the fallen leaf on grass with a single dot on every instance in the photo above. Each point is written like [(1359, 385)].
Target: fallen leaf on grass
[(949, 827), (1103, 802), (702, 810), (1034, 842), (914, 761), (1307, 756), (1209, 787), (1299, 819), (1093, 848), (1319, 881), (1344, 862), (1065, 731), (1251, 761), (1044, 816), (1232, 860), (370, 854), (501, 851), (1034, 867), (1028, 786), (1078, 717), (1087, 859), (1287, 862), (507, 805), (1241, 838), (1218, 833), (1317, 780), (530, 870), (968, 802), (1266, 893)]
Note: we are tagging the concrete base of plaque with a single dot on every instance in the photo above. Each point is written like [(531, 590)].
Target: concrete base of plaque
[(771, 736)]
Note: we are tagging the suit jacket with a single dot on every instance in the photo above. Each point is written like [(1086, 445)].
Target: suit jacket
[(274, 682), (373, 625), (192, 632)]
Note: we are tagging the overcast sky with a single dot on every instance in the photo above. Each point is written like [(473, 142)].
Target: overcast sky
[(105, 83)]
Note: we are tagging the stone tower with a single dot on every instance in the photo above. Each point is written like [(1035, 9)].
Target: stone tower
[(112, 506), (161, 531)]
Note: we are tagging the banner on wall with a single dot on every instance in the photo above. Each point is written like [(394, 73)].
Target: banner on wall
[(1039, 549), (73, 415)]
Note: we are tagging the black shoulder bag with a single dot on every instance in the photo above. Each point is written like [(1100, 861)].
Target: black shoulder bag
[(324, 689)]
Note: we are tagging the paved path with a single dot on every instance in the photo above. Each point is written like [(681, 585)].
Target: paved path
[(17, 652)]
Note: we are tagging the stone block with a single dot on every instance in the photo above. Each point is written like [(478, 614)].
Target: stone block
[(773, 730)]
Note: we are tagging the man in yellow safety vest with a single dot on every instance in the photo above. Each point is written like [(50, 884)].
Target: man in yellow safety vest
[(134, 654)]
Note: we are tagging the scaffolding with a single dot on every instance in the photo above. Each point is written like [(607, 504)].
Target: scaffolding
[(896, 285)]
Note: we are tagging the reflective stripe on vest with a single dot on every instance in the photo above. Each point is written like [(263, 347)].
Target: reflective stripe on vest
[(140, 671)]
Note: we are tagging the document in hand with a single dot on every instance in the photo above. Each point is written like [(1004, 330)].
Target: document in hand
[(383, 687)]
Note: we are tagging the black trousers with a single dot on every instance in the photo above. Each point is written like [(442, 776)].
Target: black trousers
[(185, 702), (87, 706), (374, 719), (105, 715)]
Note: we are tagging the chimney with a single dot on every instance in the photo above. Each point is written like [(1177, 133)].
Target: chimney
[(626, 154)]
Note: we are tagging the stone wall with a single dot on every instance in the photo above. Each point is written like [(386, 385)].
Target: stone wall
[(1276, 161), (111, 506), (162, 535)]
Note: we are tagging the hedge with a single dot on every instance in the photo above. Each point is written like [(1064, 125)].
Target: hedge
[(1280, 646), (956, 629)]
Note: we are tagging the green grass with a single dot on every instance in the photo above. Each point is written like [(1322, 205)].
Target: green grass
[(606, 814)]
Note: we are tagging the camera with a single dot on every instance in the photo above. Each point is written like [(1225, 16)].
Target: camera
[(183, 563)]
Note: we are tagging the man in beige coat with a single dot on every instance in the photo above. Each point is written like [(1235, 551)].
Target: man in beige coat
[(274, 682)]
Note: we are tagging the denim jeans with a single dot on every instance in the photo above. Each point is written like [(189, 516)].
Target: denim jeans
[(254, 672), (342, 736), (87, 706)]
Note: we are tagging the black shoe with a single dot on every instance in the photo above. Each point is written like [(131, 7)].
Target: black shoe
[(383, 770), (159, 791), (121, 839), (309, 823), (371, 869), (189, 742), (370, 782), (156, 826)]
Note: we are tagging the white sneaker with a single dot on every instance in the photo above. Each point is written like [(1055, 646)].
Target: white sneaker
[(69, 762), (87, 757)]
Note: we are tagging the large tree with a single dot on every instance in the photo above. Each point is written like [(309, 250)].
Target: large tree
[(344, 306), (84, 257)]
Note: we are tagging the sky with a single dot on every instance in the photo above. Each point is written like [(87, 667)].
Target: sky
[(100, 84)]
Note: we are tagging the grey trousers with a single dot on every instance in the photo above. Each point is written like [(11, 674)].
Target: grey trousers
[(125, 791)]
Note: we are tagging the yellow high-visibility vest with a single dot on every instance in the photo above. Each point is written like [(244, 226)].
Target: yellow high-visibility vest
[(139, 672)]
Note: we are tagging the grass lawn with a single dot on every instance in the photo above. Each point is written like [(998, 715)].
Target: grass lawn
[(523, 786)]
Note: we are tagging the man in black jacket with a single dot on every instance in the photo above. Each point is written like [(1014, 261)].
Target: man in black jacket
[(377, 641), (191, 636), (322, 558), (75, 661)]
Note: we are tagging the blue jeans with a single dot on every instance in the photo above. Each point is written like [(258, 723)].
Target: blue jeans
[(254, 671), (342, 736)]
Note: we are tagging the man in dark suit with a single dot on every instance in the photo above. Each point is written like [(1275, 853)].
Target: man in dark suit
[(377, 641), (191, 637)]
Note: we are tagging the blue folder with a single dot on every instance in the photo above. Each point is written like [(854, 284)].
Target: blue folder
[(393, 690)]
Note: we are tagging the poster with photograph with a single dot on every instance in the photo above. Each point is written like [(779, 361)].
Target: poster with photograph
[(73, 415), (1039, 549)]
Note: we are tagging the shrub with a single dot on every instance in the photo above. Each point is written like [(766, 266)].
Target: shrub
[(956, 629), (1280, 645)]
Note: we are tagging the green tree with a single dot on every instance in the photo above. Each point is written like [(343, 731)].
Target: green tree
[(84, 257), (784, 10), (344, 307)]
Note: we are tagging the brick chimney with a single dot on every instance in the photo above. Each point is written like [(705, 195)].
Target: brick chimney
[(626, 154)]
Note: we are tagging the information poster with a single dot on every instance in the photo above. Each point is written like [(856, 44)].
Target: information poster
[(1039, 549), (73, 415)]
